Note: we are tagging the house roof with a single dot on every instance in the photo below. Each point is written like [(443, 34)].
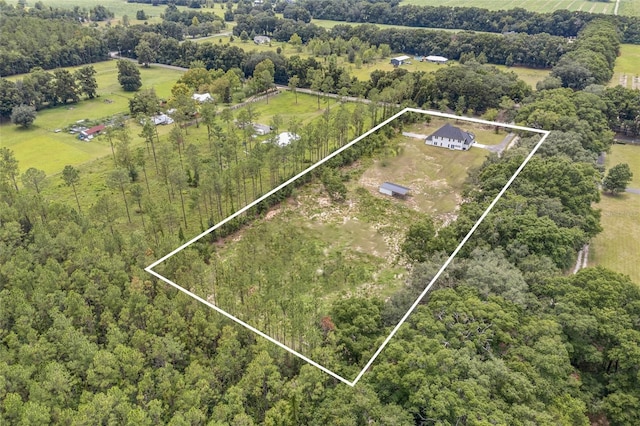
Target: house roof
[(262, 127), (94, 129), (398, 189), (202, 97), (285, 138), (452, 132), (435, 58), (401, 58)]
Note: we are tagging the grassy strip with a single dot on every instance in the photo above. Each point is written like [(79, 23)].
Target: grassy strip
[(618, 245)]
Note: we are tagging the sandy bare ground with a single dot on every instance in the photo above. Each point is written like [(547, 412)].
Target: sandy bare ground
[(583, 259)]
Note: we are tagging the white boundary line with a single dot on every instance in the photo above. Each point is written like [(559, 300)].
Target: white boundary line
[(150, 270)]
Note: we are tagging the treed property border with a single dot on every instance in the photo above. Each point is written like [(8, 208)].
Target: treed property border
[(352, 383)]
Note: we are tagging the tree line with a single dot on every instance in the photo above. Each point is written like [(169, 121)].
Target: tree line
[(42, 89), (561, 23), (591, 59), (27, 42)]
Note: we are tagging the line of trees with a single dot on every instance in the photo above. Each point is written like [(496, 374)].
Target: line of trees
[(562, 23), (27, 42), (592, 58), (41, 89)]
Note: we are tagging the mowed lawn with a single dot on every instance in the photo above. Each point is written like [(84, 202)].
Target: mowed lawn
[(618, 246), (533, 5), (627, 67), (42, 148)]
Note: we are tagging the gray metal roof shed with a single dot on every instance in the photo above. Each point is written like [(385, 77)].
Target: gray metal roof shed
[(393, 189)]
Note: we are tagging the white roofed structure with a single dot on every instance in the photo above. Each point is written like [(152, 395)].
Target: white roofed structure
[(437, 59), (202, 97)]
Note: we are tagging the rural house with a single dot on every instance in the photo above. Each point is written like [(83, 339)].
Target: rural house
[(87, 135), (451, 137), (261, 129), (396, 62)]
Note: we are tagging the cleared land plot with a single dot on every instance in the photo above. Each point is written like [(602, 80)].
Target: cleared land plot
[(284, 277), (618, 245), (627, 68), (40, 147), (435, 175), (284, 274), (534, 5)]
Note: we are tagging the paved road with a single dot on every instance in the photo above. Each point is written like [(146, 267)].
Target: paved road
[(633, 190)]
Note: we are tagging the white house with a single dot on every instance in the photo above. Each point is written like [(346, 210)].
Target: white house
[(202, 97), (451, 137)]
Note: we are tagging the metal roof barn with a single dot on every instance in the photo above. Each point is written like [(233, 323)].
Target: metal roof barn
[(393, 189)]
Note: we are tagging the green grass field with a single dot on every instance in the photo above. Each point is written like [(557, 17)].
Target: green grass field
[(618, 245), (118, 7), (534, 5), (435, 175), (40, 147), (627, 67), (324, 23)]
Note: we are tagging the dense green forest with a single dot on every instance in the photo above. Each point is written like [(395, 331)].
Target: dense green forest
[(505, 337)]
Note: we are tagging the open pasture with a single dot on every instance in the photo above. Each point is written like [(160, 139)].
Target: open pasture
[(627, 69), (533, 5), (618, 245), (42, 148), (120, 8)]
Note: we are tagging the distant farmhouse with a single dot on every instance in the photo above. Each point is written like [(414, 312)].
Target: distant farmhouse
[(261, 129), (400, 60), (436, 59), (87, 135), (261, 40), (451, 137)]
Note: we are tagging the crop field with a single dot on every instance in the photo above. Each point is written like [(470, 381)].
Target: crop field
[(33, 147), (534, 5), (618, 246)]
